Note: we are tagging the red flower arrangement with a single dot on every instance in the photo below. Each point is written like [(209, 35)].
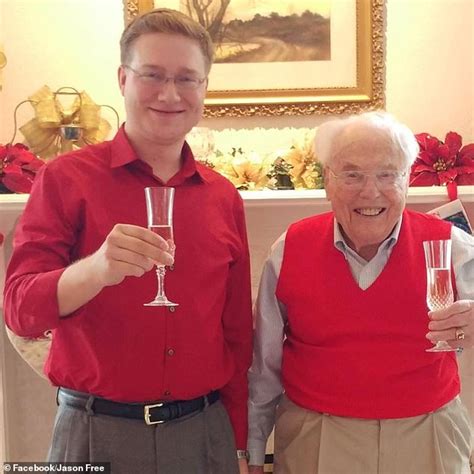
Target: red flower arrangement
[(18, 167), (439, 163)]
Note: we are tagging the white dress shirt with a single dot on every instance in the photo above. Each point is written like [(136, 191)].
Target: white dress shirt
[(264, 375)]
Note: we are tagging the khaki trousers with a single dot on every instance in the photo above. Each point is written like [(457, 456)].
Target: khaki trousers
[(308, 442), (199, 443)]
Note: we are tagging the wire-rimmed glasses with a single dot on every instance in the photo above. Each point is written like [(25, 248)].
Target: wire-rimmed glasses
[(356, 179), (157, 79)]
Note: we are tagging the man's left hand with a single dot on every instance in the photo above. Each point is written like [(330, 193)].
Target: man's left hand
[(243, 467), (453, 324)]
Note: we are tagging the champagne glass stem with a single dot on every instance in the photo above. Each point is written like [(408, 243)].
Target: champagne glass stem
[(160, 298), (160, 274)]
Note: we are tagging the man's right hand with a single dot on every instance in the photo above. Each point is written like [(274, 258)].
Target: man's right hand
[(129, 250), (255, 469)]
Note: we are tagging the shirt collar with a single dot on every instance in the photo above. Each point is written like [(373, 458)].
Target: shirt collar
[(390, 241), (122, 154)]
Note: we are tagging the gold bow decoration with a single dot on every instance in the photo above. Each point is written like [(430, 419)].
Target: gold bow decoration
[(59, 126)]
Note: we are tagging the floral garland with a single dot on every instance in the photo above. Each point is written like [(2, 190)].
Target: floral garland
[(245, 158), (254, 159)]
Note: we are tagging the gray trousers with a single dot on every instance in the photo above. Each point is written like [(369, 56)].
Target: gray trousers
[(199, 443)]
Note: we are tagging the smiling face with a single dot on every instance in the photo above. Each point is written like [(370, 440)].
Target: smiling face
[(367, 214), (162, 115)]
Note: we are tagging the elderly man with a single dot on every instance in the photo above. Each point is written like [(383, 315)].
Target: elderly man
[(340, 363), (150, 389)]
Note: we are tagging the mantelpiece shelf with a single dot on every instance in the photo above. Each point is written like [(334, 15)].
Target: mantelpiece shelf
[(418, 195)]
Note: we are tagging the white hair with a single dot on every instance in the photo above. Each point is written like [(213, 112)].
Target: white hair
[(400, 136)]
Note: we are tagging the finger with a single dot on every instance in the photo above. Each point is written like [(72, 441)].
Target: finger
[(134, 257), (165, 258), (447, 335), (129, 269), (117, 272), (460, 306), (143, 234), (454, 321), (158, 253), (117, 254)]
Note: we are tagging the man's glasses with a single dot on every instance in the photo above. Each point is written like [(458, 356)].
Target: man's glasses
[(356, 179), (182, 82)]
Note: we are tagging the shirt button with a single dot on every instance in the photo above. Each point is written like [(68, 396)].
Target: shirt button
[(172, 309), (167, 393), (170, 352)]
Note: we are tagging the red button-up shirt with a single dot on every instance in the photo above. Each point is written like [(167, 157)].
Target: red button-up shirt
[(113, 346)]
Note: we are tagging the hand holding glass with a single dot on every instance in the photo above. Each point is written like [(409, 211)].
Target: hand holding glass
[(439, 292), (159, 209)]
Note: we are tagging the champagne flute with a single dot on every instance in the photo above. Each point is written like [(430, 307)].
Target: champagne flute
[(159, 209), (439, 292)]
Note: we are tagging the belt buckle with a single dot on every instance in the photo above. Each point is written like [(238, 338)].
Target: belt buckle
[(147, 415)]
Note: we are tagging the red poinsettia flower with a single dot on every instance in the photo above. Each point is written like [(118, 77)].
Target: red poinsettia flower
[(441, 163), (18, 167)]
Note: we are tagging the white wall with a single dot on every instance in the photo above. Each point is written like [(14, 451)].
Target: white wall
[(430, 52), (59, 43), (429, 80)]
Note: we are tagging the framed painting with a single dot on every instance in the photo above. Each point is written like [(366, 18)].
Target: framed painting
[(299, 57)]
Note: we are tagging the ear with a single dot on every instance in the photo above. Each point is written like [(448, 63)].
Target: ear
[(122, 77), (327, 184)]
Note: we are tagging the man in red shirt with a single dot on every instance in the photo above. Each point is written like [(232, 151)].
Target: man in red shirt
[(150, 389)]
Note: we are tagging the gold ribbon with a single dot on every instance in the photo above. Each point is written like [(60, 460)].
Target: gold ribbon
[(53, 129)]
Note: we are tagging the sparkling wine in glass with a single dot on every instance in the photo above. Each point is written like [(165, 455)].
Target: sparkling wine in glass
[(159, 209), (439, 291)]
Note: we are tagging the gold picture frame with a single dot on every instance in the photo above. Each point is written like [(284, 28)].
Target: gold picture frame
[(366, 93)]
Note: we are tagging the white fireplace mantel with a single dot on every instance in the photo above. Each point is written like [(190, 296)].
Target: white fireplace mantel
[(416, 195), (268, 197)]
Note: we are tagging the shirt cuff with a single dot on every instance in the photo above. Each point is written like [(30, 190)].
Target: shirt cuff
[(38, 311)]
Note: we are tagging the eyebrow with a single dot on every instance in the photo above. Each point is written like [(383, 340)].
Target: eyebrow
[(161, 68), (354, 167), (350, 167)]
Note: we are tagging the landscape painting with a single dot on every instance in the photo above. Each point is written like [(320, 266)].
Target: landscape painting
[(253, 31)]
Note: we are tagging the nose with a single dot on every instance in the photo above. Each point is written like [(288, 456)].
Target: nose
[(168, 92), (370, 188)]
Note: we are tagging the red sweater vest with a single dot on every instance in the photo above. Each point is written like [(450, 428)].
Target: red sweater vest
[(361, 353)]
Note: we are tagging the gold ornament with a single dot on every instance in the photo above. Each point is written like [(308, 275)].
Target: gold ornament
[(59, 126)]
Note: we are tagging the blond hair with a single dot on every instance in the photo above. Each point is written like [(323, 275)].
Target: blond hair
[(165, 20)]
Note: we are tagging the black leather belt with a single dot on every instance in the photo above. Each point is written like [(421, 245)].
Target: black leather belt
[(152, 413)]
